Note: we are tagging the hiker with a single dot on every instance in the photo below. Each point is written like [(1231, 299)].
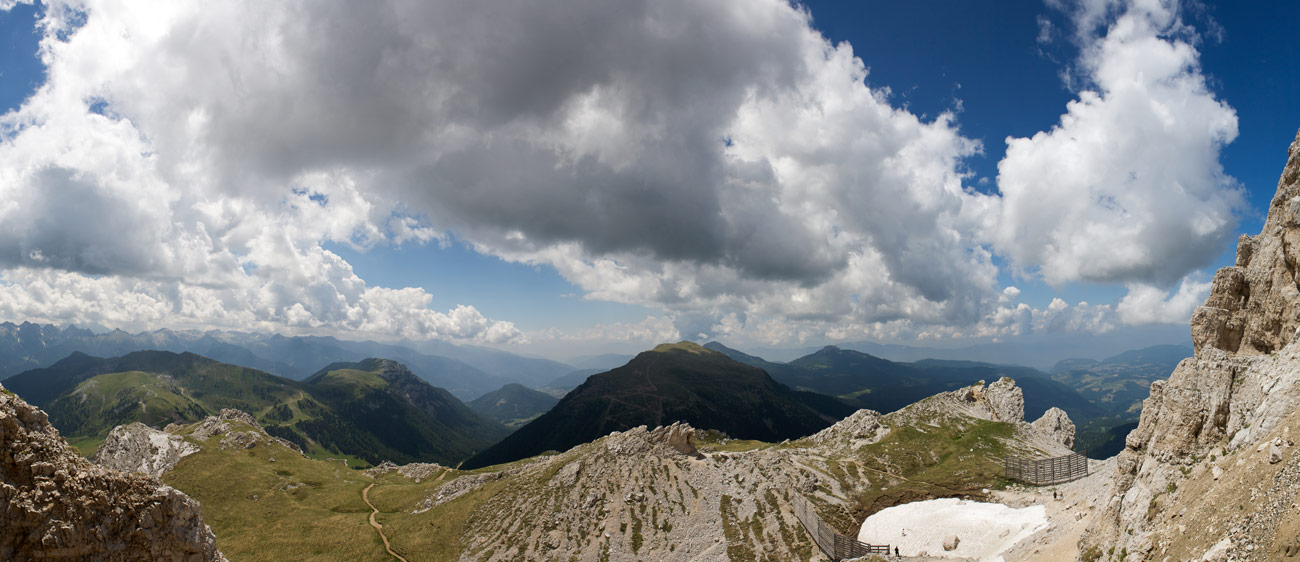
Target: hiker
[(896, 554)]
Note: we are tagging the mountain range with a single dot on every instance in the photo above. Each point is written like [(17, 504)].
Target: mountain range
[(372, 411), (465, 371), (870, 382)]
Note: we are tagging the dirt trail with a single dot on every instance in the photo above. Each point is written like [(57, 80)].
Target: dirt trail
[(365, 496)]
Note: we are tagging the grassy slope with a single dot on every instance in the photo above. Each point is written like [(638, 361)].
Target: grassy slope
[(101, 403), (292, 509)]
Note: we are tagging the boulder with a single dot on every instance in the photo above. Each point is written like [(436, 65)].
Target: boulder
[(950, 542)]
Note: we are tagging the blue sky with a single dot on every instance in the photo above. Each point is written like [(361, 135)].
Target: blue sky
[(561, 197)]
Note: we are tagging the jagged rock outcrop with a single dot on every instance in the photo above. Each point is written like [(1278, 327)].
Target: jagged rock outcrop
[(1056, 423), (136, 447), (1006, 400), (56, 505), (1231, 396), (679, 437), (1254, 307)]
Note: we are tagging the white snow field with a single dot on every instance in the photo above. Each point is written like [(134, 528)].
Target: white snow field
[(985, 530)]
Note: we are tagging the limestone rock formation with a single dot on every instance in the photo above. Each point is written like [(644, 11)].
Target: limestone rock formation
[(1254, 307), (56, 505), (1056, 423), (680, 437), (1240, 389), (1006, 400), (137, 447)]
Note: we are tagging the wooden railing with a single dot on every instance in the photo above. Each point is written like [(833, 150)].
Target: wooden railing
[(1045, 472), (836, 546)]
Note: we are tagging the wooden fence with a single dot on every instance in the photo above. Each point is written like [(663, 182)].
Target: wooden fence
[(1045, 472), (835, 545)]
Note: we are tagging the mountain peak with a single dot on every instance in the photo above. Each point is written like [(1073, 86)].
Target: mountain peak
[(687, 346)]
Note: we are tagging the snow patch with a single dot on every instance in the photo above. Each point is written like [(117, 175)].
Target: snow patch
[(986, 530)]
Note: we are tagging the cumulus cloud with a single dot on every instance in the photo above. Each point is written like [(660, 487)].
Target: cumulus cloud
[(718, 160), (1145, 304), (649, 331), (1127, 188), (62, 297)]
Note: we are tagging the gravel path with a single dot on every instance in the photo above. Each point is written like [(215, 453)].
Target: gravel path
[(1068, 515), (365, 496)]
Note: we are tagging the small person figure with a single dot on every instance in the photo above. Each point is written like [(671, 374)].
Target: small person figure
[(896, 554)]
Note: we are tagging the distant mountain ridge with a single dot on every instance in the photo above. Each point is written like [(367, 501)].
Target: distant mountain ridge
[(871, 382), (466, 371), (373, 410), (513, 404), (673, 382)]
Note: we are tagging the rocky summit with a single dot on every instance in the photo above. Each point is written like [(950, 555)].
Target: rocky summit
[(56, 505), (1211, 471)]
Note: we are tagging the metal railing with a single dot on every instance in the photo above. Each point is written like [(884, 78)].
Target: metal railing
[(836, 546), (1045, 472)]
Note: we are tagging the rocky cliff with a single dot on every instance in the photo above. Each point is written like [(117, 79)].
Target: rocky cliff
[(56, 505), (1224, 415)]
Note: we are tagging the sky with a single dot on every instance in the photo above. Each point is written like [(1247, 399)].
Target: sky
[(586, 176)]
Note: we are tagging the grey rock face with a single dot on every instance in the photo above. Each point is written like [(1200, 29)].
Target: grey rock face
[(1254, 306), (1056, 423), (137, 447), (1006, 400), (56, 505)]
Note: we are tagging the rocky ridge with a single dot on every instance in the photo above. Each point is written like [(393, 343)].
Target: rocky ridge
[(220, 424), (1234, 399), (416, 471), (54, 504)]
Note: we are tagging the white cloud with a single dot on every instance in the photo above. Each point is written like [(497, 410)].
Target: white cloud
[(718, 160), (1145, 304), (649, 331), (1127, 188), (138, 304)]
